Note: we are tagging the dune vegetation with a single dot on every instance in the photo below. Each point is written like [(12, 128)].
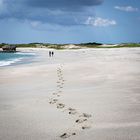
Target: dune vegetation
[(76, 46)]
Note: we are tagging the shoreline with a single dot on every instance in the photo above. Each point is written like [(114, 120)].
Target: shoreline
[(16, 58), (77, 95)]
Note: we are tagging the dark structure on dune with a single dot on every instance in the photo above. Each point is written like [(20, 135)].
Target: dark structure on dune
[(9, 48)]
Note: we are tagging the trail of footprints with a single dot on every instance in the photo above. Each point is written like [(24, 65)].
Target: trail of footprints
[(83, 119)]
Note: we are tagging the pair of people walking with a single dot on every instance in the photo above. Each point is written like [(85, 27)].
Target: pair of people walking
[(51, 53)]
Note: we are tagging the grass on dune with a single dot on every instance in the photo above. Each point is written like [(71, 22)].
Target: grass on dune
[(82, 45)]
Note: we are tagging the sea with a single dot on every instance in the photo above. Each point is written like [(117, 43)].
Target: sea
[(8, 59)]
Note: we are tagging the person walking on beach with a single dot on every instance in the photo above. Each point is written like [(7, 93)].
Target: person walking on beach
[(50, 53)]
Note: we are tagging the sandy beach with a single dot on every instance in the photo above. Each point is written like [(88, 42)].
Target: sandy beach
[(85, 94)]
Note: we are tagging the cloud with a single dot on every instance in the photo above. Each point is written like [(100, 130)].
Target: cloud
[(100, 22), (58, 12), (126, 8), (63, 4)]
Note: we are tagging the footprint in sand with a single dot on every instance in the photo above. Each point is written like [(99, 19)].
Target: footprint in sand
[(87, 124), (60, 105), (86, 115), (67, 135), (81, 120), (53, 101), (59, 71), (72, 111), (59, 91), (56, 94), (62, 83), (86, 127)]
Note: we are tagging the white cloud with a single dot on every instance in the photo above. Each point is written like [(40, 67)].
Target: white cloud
[(126, 8), (100, 22)]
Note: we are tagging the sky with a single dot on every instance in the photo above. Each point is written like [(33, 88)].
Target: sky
[(69, 21)]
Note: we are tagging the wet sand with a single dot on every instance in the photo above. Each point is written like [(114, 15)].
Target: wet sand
[(76, 95)]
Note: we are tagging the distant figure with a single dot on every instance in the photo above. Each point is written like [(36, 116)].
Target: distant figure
[(50, 53)]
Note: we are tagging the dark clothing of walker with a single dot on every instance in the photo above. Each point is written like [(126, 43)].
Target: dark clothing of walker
[(51, 53)]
